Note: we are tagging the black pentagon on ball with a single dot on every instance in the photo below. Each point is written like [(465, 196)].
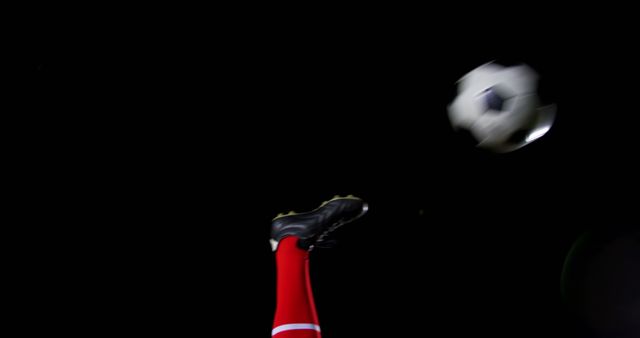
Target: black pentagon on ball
[(494, 99)]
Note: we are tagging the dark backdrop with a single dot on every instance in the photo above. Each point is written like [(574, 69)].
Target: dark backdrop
[(161, 148)]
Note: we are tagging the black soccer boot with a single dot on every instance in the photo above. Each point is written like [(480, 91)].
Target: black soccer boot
[(313, 227)]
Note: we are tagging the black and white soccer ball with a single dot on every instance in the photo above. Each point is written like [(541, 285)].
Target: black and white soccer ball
[(499, 106)]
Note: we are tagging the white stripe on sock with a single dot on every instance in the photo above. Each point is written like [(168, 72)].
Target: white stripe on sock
[(287, 327)]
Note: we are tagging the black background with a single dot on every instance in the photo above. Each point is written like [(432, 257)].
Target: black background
[(160, 146)]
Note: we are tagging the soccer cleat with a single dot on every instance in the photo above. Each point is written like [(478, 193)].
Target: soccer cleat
[(313, 227)]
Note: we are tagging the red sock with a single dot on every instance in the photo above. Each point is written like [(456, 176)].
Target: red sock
[(295, 310)]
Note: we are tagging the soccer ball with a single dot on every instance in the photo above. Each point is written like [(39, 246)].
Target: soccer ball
[(500, 107)]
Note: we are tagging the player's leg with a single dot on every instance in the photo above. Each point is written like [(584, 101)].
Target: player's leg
[(295, 312), (292, 237)]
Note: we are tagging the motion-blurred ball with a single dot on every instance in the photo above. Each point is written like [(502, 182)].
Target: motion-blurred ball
[(500, 107)]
